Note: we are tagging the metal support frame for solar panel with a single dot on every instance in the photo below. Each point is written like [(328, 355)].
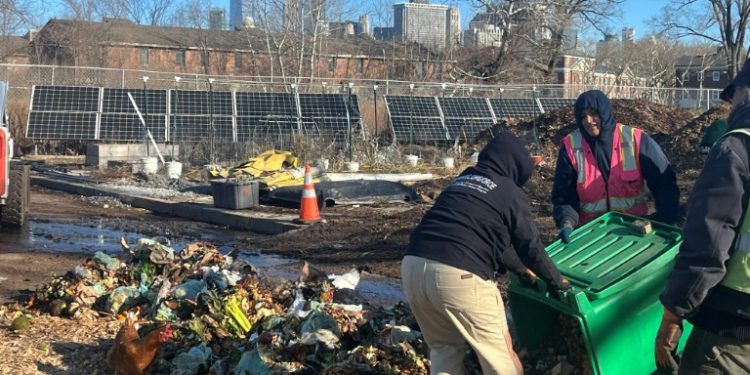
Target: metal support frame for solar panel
[(415, 118), (466, 117), (66, 112), (506, 108)]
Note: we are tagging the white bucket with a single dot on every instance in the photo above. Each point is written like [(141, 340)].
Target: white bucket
[(146, 165), (411, 160), (351, 166), (323, 163), (447, 162), (174, 169)]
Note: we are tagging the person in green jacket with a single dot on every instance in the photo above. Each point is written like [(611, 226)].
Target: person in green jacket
[(712, 134)]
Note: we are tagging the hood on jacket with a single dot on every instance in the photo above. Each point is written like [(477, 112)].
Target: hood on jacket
[(598, 101), (506, 156)]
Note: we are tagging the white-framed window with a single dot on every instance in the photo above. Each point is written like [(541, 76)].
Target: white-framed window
[(421, 69), (716, 76), (143, 56), (332, 64), (700, 76), (715, 94)]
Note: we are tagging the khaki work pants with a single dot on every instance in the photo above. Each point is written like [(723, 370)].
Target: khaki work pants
[(708, 354), (453, 307)]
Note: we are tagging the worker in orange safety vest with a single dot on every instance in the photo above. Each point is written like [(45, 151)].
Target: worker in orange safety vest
[(605, 166)]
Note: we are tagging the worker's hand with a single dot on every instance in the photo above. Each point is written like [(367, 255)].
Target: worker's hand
[(557, 292), (565, 232), (665, 348), (528, 279)]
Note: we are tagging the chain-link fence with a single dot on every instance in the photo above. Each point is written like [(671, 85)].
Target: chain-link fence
[(370, 93)]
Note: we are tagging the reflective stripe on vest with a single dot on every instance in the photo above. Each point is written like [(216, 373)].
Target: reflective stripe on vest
[(625, 190), (738, 266)]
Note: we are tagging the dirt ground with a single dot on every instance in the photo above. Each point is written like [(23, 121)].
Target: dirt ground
[(350, 236)]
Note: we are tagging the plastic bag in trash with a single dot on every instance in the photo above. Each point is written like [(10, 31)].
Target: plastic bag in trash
[(189, 289), (106, 261), (317, 321), (190, 362), (251, 363), (321, 336), (124, 295)]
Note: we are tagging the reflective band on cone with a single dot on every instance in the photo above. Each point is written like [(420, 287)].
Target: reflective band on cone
[(308, 211)]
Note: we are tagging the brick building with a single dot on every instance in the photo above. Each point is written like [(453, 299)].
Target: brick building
[(579, 73), (118, 43)]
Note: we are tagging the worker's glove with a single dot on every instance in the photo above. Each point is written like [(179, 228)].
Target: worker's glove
[(528, 279), (557, 292), (565, 232), (665, 348)]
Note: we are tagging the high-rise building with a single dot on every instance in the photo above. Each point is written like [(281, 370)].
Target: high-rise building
[(628, 34), (364, 22), (235, 14), (217, 19), (432, 25)]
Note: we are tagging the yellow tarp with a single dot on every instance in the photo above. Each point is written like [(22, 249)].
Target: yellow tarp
[(272, 168)]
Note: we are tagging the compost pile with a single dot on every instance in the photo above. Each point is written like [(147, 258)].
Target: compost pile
[(228, 319), (682, 147)]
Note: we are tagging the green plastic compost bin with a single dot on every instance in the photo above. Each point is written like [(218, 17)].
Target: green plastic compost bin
[(617, 274)]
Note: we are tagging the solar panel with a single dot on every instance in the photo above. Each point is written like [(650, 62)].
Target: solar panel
[(464, 129), (62, 125), (128, 127), (148, 101), (420, 106), (197, 128), (259, 127), (466, 117), (465, 107), (510, 108), (323, 105), (65, 99), (261, 104), (332, 128), (551, 104), (199, 102), (418, 129)]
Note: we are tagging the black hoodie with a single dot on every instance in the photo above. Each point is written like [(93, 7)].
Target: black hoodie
[(658, 173), (482, 221), (715, 210)]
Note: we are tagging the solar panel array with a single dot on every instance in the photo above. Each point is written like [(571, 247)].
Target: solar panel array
[(427, 118), (91, 113)]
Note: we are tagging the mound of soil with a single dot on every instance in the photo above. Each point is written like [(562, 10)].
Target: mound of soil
[(682, 146)]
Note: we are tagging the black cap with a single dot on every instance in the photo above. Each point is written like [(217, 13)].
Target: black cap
[(742, 79)]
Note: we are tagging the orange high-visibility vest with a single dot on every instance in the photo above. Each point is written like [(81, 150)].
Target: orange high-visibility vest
[(624, 190)]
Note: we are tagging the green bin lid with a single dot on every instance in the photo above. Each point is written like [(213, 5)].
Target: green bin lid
[(609, 253)]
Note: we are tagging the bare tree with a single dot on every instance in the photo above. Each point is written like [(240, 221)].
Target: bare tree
[(17, 15), (724, 22)]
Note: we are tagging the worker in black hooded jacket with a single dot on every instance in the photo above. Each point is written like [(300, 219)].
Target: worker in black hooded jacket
[(602, 166), (710, 283), (480, 226)]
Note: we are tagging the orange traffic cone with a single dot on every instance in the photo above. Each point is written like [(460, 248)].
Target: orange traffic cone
[(308, 211)]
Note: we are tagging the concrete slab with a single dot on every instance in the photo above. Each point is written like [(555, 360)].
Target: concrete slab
[(254, 221)]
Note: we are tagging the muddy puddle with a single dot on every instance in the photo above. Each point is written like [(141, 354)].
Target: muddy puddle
[(90, 236)]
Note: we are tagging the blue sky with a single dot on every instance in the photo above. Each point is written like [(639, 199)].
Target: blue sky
[(635, 13)]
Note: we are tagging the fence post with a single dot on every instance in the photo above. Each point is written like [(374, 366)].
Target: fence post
[(53, 76)]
